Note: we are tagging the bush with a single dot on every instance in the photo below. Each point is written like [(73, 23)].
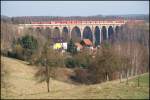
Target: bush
[(18, 51), (104, 64), (24, 47), (28, 42), (83, 59), (82, 76), (11, 54), (71, 47), (35, 58), (80, 60), (4, 52), (70, 62)]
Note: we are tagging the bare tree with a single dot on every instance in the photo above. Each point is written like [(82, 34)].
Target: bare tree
[(49, 59)]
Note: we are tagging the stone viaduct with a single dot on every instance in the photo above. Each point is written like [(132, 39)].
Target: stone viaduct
[(106, 25)]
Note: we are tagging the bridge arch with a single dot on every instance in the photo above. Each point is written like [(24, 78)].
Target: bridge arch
[(97, 35), (104, 33), (87, 33), (76, 34), (56, 34), (29, 30), (117, 29), (110, 32), (65, 34), (38, 29), (48, 32)]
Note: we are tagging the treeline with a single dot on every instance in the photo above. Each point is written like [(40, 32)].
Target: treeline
[(127, 55), (8, 34), (29, 19), (133, 33)]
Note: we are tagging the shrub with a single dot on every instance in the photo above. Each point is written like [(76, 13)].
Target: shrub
[(70, 62), (82, 76), (83, 59), (18, 51), (24, 47), (104, 64), (4, 52), (71, 47)]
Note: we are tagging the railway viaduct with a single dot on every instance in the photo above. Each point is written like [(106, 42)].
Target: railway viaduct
[(100, 30)]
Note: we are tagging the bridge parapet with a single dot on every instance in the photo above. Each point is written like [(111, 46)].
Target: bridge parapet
[(74, 23)]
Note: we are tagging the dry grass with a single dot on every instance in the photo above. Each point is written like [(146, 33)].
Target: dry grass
[(23, 85)]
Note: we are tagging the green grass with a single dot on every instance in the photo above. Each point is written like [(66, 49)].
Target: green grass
[(144, 79), (119, 90)]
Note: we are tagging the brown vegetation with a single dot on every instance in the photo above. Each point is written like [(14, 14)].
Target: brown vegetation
[(127, 56)]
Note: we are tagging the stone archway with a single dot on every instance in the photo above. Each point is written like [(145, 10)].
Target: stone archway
[(97, 35), (110, 32), (56, 34), (104, 33), (48, 32), (76, 34), (65, 34), (87, 33)]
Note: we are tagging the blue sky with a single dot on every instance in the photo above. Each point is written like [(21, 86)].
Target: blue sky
[(73, 8)]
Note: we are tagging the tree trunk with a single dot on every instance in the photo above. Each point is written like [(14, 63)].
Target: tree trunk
[(127, 77), (138, 80), (107, 77), (132, 69), (120, 76), (47, 85), (47, 77)]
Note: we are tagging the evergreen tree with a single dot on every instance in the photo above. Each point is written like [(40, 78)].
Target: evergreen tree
[(28, 44), (71, 47)]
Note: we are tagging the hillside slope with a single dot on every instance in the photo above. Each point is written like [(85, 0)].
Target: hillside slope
[(23, 85)]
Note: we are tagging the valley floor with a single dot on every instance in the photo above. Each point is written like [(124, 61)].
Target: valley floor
[(22, 85)]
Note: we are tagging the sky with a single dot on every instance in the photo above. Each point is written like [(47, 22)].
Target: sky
[(73, 8)]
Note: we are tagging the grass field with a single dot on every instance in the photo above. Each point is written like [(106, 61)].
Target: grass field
[(23, 85)]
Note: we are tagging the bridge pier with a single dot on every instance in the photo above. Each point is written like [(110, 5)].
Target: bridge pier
[(81, 30), (107, 33), (100, 37), (93, 35)]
